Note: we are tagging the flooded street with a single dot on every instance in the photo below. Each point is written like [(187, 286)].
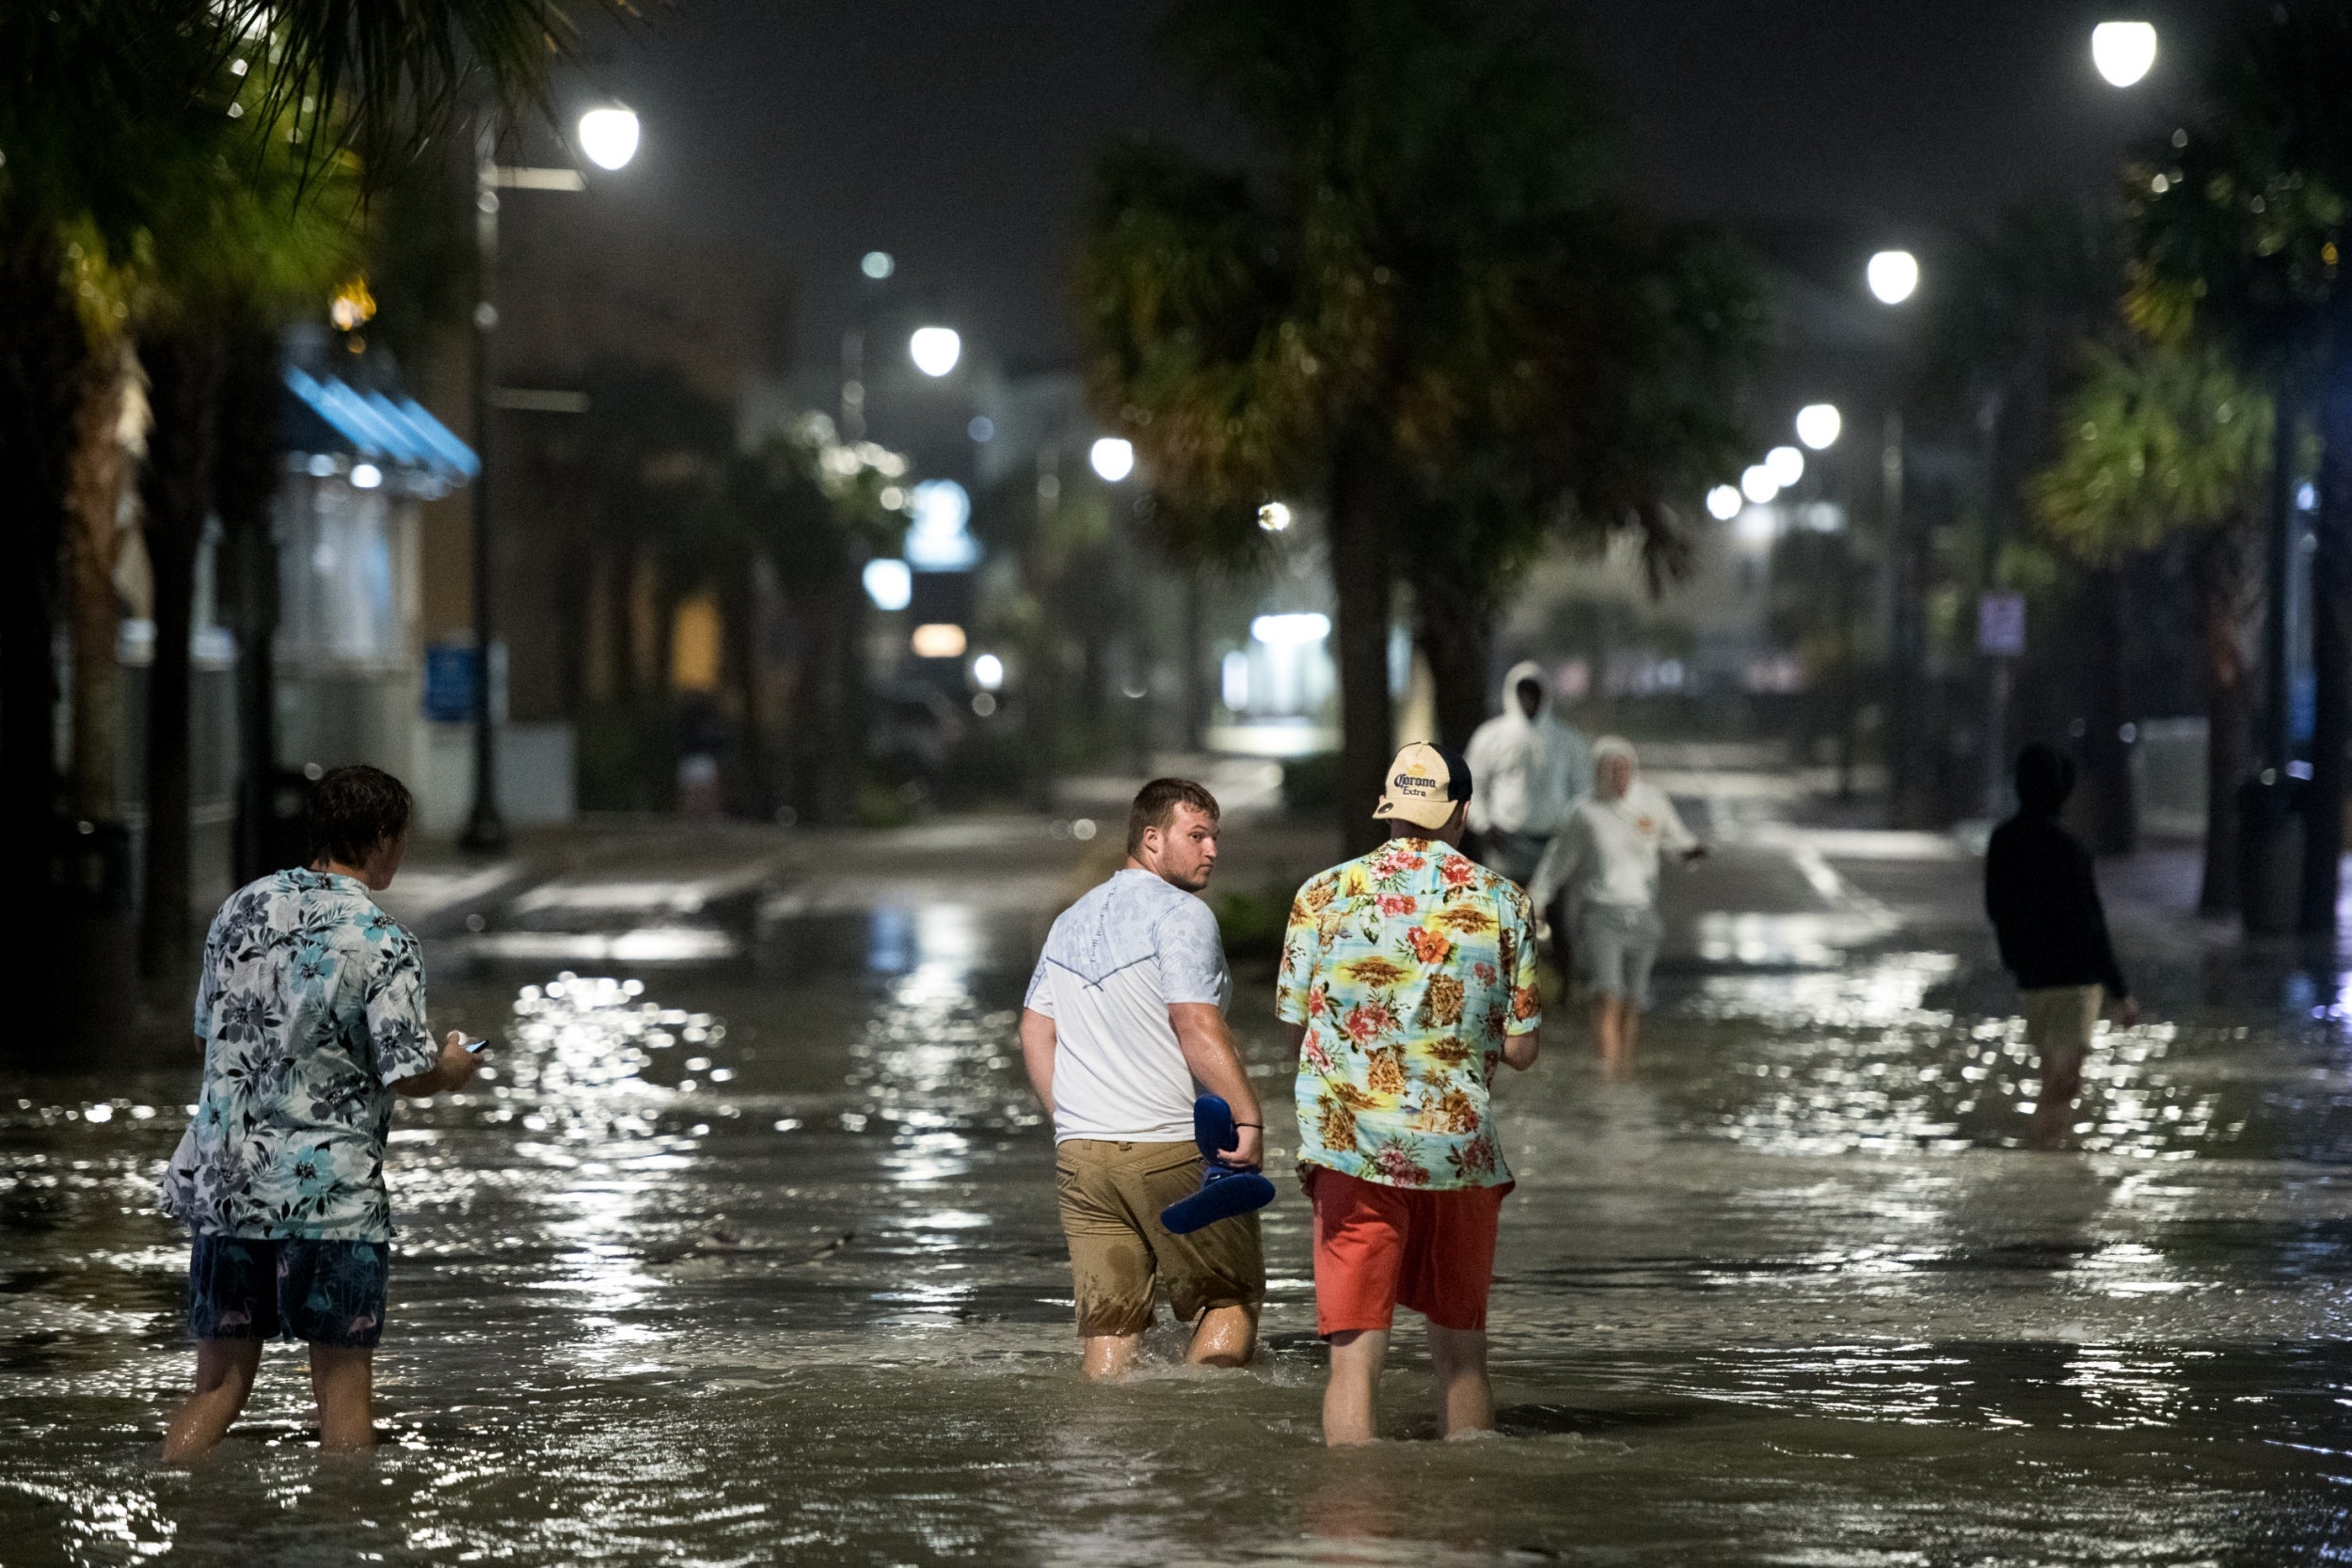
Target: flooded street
[(750, 1255)]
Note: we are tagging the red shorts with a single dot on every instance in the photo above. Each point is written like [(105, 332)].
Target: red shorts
[(1378, 1246)]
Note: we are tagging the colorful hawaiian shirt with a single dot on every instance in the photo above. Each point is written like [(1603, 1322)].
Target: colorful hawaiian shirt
[(310, 1006), (1410, 967)]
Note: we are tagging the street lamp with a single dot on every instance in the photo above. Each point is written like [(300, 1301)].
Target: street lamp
[(935, 350), (1724, 503), (1757, 484), (1112, 458), (1818, 425), (1892, 275), (1785, 465), (609, 138), (2123, 52)]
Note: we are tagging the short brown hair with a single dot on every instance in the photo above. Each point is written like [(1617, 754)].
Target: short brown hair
[(1155, 806), (350, 811)]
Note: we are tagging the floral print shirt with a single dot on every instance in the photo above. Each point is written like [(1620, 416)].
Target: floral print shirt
[(310, 1006), (1410, 967)]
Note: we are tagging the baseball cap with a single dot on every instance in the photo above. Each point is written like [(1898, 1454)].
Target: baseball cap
[(1424, 782)]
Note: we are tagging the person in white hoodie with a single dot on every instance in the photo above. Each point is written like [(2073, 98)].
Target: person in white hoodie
[(1530, 765)]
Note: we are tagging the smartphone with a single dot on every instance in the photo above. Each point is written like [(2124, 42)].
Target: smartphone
[(474, 1048)]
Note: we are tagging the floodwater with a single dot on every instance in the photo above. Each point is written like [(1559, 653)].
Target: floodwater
[(756, 1262)]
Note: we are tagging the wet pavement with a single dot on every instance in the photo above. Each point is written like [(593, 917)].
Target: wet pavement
[(748, 1253)]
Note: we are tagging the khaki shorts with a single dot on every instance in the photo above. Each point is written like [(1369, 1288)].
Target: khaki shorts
[(2060, 1021), (1111, 1198)]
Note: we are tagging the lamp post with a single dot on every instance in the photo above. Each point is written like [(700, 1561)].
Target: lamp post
[(1893, 278), (609, 137)]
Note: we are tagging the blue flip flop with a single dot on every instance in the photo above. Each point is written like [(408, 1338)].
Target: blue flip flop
[(1225, 1190)]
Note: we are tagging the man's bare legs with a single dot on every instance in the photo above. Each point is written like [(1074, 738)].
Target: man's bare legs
[(343, 1380), (224, 1379), (1224, 1336), (1465, 1396), (1109, 1354), (1351, 1400), (1616, 1024)]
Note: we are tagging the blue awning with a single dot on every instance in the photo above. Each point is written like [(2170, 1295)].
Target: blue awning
[(328, 415)]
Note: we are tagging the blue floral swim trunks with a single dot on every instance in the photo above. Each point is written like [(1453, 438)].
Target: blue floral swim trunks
[(328, 1293)]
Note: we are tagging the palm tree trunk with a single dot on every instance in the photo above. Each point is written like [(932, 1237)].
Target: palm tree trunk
[(2107, 756), (101, 468), (43, 352), (245, 482), (1454, 626), (1361, 583), (183, 369), (738, 615), (2222, 566), (2331, 666)]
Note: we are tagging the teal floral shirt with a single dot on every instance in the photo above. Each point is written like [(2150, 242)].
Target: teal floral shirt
[(1410, 967), (310, 1006)]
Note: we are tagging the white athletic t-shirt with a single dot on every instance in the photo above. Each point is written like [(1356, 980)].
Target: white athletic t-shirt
[(1112, 964)]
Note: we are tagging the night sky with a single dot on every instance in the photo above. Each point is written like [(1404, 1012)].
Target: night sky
[(958, 135)]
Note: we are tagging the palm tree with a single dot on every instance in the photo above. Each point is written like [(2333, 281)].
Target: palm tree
[(99, 101), (224, 254), (2161, 442), (1304, 334), (2237, 220)]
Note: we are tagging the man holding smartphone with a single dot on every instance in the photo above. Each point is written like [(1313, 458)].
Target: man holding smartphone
[(310, 1007)]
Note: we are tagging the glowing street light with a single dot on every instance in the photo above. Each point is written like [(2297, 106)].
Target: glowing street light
[(1113, 458), (878, 264), (1785, 465), (1758, 485), (1892, 275), (2123, 52), (935, 349), (988, 671), (1274, 517), (608, 137), (1724, 503), (1817, 424)]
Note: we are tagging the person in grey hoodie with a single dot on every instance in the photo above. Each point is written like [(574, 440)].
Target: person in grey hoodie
[(1530, 765)]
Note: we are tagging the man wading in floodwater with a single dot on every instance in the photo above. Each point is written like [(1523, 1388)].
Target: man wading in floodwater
[(2044, 903), (312, 1011), (1408, 975), (1125, 1013)]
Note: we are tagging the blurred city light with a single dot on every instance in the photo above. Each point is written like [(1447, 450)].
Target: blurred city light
[(878, 264), (937, 541), (937, 639), (988, 671), (935, 349), (1759, 485), (2123, 51), (982, 428), (1113, 458), (1723, 503), (1817, 424), (323, 467), (1289, 628), (1274, 517), (1234, 680), (1893, 275), (889, 583), (1785, 465), (608, 137), (366, 476)]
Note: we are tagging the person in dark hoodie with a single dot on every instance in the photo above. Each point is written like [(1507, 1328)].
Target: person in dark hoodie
[(2043, 902)]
